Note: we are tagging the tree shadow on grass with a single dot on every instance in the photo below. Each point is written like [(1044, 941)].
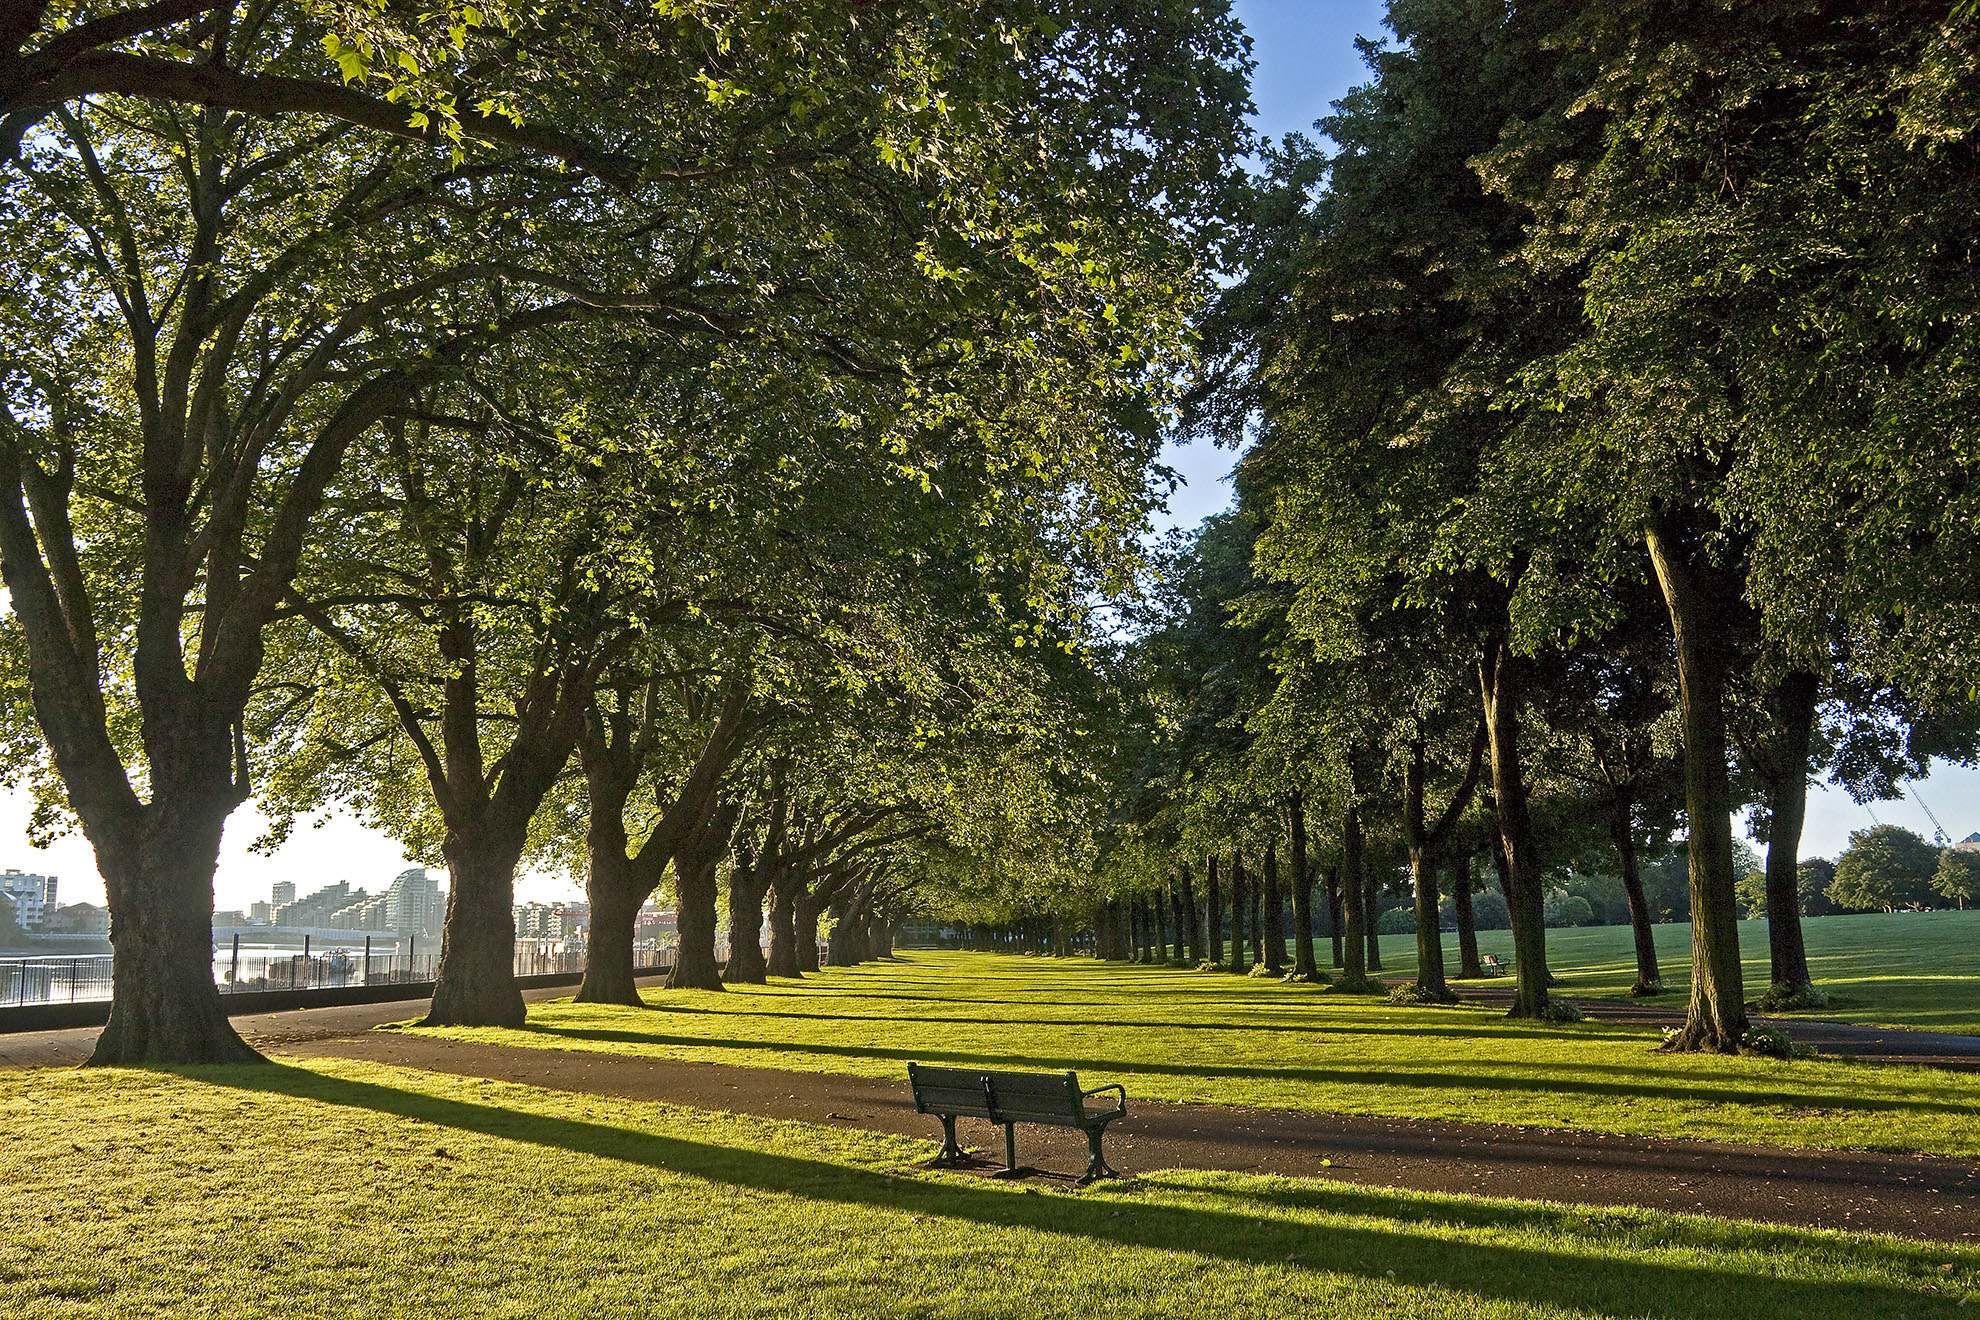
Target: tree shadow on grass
[(1737, 1090), (1492, 1029), (1399, 1251)]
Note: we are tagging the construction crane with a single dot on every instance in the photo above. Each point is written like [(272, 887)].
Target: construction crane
[(1939, 835)]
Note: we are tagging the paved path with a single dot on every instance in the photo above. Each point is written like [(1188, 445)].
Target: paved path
[(1916, 1196), (265, 1031), (1936, 1049), (1924, 1197)]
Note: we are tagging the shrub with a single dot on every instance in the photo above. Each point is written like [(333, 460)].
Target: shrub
[(1416, 995), (1766, 1042), (1783, 999), (1562, 1010), (1396, 921)]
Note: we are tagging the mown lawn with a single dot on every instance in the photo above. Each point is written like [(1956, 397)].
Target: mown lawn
[(1206, 1036), (1905, 969), (349, 1189)]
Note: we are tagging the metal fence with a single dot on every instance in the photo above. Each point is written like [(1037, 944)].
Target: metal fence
[(54, 980), (58, 979)]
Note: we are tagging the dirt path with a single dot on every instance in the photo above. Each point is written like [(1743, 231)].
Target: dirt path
[(265, 1031), (1914, 1196), (1935, 1049)]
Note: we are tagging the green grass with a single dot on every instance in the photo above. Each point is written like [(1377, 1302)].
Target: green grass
[(1905, 969), (1205, 1036), (350, 1189)]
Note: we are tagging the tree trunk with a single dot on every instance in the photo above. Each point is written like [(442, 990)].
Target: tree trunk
[(1499, 675), (746, 965), (1429, 931), (1354, 950), (1274, 954), (164, 1007), (1304, 963), (1240, 906), (1622, 832), (1371, 912), (1795, 700), (1193, 919), (804, 915), (1179, 925), (1213, 913), (1423, 880), (1335, 921), (784, 961), (695, 967), (1469, 968), (476, 984), (1701, 601), (615, 894), (1257, 919)]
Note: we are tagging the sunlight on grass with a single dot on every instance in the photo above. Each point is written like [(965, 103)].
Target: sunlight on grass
[(1903, 969), (352, 1189), (1195, 1036)]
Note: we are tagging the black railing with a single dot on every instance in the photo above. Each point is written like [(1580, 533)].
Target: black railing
[(55, 979)]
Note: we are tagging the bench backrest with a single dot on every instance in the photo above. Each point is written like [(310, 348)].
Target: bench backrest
[(958, 1091), (1000, 1096), (1035, 1097)]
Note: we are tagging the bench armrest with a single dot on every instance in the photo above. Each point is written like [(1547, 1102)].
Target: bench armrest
[(1111, 1086)]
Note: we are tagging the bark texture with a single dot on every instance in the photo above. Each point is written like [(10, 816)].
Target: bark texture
[(1273, 927), (1702, 600), (1469, 968), (1304, 963), (1499, 675), (1785, 771)]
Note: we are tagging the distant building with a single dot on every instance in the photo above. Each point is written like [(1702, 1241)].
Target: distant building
[(33, 897), (551, 921), (1971, 843), (365, 912), (233, 919), (314, 909), (285, 892), (261, 914), (415, 904), (79, 919)]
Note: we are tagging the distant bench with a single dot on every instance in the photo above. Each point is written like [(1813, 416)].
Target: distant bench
[(1492, 965), (1050, 1099)]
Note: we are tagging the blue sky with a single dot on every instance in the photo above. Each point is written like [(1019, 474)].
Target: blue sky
[(1306, 60)]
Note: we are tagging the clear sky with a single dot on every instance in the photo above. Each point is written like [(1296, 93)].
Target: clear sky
[(1306, 59)]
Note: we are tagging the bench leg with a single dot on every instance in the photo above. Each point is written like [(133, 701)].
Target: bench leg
[(1096, 1164), (952, 1153), (1011, 1169)]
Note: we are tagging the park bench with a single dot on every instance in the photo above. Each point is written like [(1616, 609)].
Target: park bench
[(1048, 1099), (1492, 964)]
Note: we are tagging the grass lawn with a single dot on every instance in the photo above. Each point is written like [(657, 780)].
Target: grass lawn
[(350, 1189), (1906, 969), (1205, 1036)]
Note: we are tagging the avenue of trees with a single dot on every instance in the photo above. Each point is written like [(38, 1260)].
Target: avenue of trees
[(708, 447), (676, 439), (1605, 384)]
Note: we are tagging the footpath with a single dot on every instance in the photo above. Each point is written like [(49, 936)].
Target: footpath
[(1918, 1196)]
